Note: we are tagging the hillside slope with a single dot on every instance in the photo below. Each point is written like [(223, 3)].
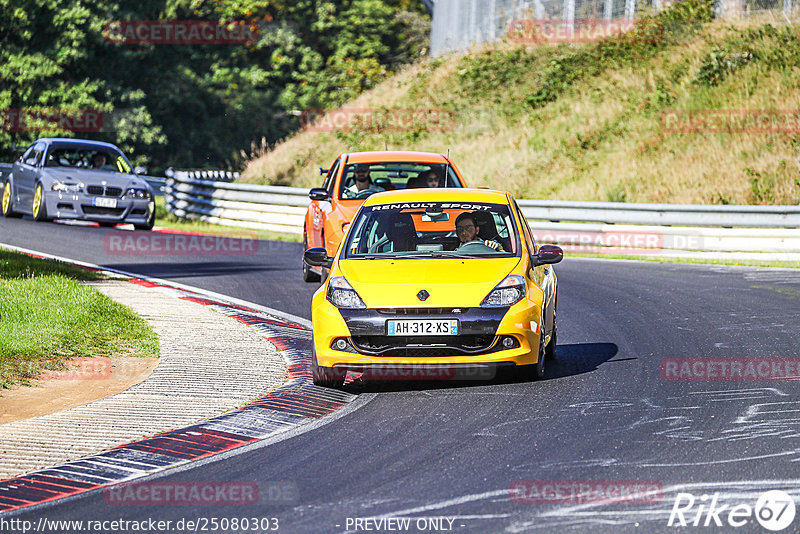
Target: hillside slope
[(603, 121)]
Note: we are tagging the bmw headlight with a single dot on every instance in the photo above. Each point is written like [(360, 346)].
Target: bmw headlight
[(342, 295), (510, 291), (66, 188), (137, 193)]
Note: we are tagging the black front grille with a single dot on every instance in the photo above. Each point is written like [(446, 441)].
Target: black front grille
[(96, 210), (428, 346), (422, 311), (100, 191)]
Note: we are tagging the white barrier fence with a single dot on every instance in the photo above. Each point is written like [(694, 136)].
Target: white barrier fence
[(593, 227)]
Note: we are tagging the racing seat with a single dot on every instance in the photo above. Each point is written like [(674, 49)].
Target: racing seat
[(415, 182), (402, 232), (488, 229)]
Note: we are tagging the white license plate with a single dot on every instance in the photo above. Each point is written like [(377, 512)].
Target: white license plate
[(105, 202), (425, 327)]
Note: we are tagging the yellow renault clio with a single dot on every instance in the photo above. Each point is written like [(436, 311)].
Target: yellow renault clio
[(433, 278)]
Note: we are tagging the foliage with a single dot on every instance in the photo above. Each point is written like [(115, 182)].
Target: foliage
[(197, 105)]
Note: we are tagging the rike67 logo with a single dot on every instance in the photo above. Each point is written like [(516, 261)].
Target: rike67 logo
[(774, 510)]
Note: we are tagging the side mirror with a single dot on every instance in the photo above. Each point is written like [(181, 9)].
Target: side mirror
[(318, 193), (139, 170), (547, 254), (318, 257)]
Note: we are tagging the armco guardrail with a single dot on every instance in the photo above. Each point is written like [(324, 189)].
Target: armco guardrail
[(627, 228), (280, 209), (663, 214)]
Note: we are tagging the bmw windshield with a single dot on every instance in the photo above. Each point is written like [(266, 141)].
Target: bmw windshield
[(409, 230)]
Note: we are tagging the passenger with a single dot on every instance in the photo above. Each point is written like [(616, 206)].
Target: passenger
[(363, 181), (430, 179), (467, 230)]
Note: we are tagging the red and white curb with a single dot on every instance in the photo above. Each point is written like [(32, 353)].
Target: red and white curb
[(295, 403)]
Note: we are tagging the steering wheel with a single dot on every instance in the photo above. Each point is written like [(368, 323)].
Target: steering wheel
[(364, 194), (476, 246)]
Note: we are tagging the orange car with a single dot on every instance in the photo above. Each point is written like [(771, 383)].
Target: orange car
[(355, 176)]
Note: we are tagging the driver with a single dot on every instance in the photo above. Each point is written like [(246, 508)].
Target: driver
[(467, 230), (363, 181), (99, 160)]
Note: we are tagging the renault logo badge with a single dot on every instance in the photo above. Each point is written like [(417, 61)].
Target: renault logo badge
[(423, 295)]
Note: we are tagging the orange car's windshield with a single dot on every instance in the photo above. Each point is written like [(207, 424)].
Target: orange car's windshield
[(433, 229), (360, 180)]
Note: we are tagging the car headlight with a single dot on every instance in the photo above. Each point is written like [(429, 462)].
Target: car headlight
[(138, 193), (510, 291), (342, 295), (66, 188)]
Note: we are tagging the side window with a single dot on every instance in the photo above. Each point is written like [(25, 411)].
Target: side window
[(34, 155), (526, 228), (331, 178), (28, 153), (40, 148)]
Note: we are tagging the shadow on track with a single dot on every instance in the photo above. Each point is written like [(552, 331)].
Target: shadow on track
[(572, 359)]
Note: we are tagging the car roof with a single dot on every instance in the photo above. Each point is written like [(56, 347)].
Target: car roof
[(61, 141), (377, 156), (438, 194)]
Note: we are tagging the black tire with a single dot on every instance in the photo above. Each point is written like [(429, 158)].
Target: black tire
[(550, 350), (309, 275), (39, 207), (535, 371), (151, 221), (327, 377), (8, 202)]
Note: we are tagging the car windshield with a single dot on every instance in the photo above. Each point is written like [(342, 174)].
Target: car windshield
[(362, 179), (87, 158), (433, 230)]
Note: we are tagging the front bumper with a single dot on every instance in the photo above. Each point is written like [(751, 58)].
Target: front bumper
[(62, 205), (479, 343)]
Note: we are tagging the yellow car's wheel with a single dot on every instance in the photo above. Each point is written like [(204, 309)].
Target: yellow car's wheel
[(39, 207), (550, 350), (535, 371), (8, 202), (327, 377)]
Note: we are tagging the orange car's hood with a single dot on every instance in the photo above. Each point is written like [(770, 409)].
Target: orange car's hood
[(450, 282)]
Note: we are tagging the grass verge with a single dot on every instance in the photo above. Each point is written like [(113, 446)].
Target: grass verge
[(47, 317)]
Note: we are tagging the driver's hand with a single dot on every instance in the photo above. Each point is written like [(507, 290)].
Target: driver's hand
[(491, 244)]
